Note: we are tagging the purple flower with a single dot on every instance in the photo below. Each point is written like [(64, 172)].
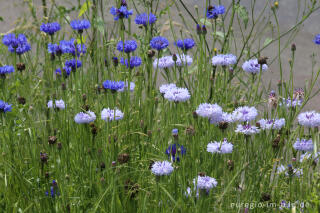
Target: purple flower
[(252, 66), (177, 94), (309, 119), (272, 123), (5, 107), (175, 151), (113, 85), (135, 61), (129, 46), (303, 145), (214, 11), (211, 111), (185, 44), (120, 13), (222, 147), (316, 39), (308, 155), (161, 168), (85, 117), (15, 44), (50, 28), (247, 129), (108, 114), (73, 64), (57, 104), (80, 25), (126, 86), (291, 103), (159, 43), (6, 69), (144, 19), (205, 182), (224, 60), (166, 87), (163, 62), (245, 113)]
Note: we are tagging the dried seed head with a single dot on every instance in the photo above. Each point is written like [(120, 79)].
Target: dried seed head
[(52, 140), (123, 158)]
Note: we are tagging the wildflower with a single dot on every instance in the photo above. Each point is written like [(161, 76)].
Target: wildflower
[(73, 64), (126, 86), (108, 114), (252, 66), (6, 70), (291, 103), (85, 117), (214, 11), (205, 182), (129, 46), (135, 61), (303, 145), (53, 48), (220, 147), (211, 111), (50, 28), (5, 107), (308, 155), (289, 171), (244, 114), (44, 157), (177, 94), (145, 19), (159, 43), (183, 60), (65, 70), (57, 104), (15, 44), (223, 60), (166, 87), (247, 129), (163, 62), (54, 190), (120, 13), (80, 25), (272, 123), (113, 85), (309, 119), (175, 151), (316, 39), (161, 168), (185, 44), (70, 47)]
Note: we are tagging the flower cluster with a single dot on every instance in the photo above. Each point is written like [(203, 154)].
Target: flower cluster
[(5, 107), (18, 45), (50, 28), (6, 69), (135, 61), (113, 85), (303, 145), (272, 123), (144, 19), (224, 60)]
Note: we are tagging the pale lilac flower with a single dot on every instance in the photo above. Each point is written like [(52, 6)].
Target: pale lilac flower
[(222, 147), (272, 123), (205, 182), (211, 111), (166, 87), (303, 145), (252, 66), (244, 114), (85, 117), (224, 60), (163, 62), (309, 155), (57, 104), (247, 129), (108, 114), (160, 168), (177, 94), (309, 119), (183, 60)]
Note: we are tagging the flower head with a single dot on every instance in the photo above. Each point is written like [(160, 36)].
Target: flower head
[(135, 61), (108, 114), (252, 66), (120, 13), (303, 145), (6, 69), (163, 62), (73, 64), (291, 103), (50, 28), (211, 111), (80, 25), (316, 39), (309, 119), (113, 85), (289, 171), (161, 168), (17, 44), (244, 113), (166, 87), (126, 86), (205, 182), (57, 104), (224, 60), (177, 94), (145, 19), (5, 107), (308, 155), (85, 117), (247, 129), (222, 147), (185, 44), (272, 123), (183, 60), (175, 151), (129, 46), (214, 11), (159, 43)]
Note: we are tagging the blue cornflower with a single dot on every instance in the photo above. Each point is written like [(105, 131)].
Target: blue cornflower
[(175, 132), (54, 190), (73, 64), (159, 43), (80, 25), (50, 28), (65, 71), (5, 107), (303, 145), (214, 11), (113, 85), (175, 151), (129, 46), (6, 69), (135, 61), (185, 44), (144, 19), (316, 39), (120, 13), (252, 66), (15, 44), (54, 48), (69, 47)]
